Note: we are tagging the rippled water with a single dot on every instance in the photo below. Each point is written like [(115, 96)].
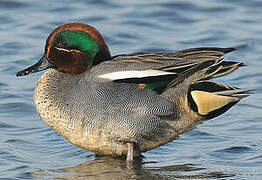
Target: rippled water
[(229, 146)]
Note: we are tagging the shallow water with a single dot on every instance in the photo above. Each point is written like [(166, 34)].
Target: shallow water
[(228, 147)]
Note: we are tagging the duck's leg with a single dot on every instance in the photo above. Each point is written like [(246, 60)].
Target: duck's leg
[(130, 151)]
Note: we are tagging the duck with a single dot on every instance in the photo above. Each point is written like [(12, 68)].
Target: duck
[(127, 104)]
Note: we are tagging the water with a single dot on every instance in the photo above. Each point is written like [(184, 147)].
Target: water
[(227, 147)]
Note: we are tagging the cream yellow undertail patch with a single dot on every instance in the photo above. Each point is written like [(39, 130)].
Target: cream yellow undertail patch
[(207, 102)]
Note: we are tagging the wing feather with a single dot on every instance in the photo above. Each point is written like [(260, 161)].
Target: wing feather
[(172, 67)]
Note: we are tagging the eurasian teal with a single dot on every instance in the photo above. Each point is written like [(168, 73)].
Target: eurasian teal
[(130, 103)]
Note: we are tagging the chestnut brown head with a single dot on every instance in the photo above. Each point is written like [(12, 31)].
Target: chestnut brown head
[(72, 48)]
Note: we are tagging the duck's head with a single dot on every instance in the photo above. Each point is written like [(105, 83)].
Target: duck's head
[(71, 48)]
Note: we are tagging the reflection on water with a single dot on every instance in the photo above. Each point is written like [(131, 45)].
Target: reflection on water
[(230, 145), (108, 167)]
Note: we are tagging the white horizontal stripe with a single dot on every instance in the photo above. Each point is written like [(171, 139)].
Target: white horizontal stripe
[(133, 74)]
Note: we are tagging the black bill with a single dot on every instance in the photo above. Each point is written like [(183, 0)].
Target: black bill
[(42, 64)]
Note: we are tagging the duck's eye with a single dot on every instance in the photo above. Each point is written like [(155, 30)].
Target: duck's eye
[(60, 44)]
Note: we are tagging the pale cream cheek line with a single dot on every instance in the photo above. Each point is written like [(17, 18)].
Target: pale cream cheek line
[(62, 49)]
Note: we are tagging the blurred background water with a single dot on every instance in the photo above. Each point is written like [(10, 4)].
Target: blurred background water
[(228, 147)]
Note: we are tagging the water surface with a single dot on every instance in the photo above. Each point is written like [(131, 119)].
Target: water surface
[(227, 147)]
